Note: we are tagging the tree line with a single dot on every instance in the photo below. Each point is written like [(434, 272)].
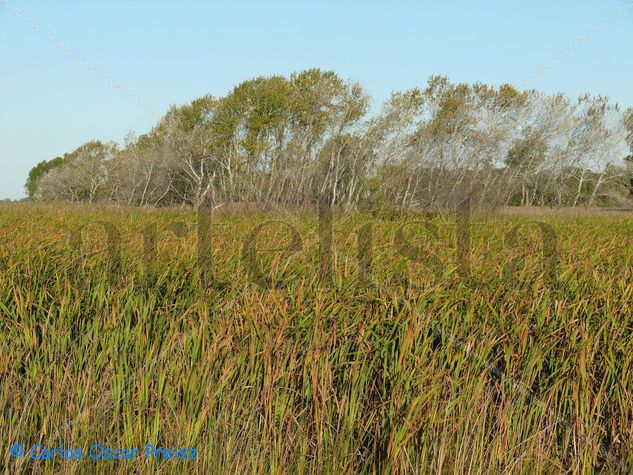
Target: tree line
[(291, 141)]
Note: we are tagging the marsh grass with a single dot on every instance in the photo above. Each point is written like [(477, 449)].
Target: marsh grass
[(517, 367)]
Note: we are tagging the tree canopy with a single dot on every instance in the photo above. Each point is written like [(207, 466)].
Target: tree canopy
[(294, 140)]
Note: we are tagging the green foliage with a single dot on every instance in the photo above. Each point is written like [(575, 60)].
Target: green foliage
[(198, 112), (528, 151), (38, 171)]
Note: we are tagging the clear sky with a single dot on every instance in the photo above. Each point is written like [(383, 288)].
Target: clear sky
[(171, 52)]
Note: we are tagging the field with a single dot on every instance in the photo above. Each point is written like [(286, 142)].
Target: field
[(452, 345)]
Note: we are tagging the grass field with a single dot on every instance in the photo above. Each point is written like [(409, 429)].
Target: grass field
[(480, 358)]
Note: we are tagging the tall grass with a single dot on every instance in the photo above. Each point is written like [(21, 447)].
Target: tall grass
[(514, 368)]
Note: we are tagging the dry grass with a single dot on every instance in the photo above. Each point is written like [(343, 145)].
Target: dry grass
[(514, 368)]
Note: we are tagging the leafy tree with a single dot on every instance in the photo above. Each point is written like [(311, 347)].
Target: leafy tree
[(81, 176), (293, 140), (38, 171)]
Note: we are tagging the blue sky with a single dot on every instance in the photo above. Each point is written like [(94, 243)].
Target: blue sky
[(171, 52)]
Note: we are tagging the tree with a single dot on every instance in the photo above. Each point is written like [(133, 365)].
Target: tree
[(274, 130), (139, 174), (446, 142), (295, 140), (37, 172), (81, 176), (185, 141), (526, 155)]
